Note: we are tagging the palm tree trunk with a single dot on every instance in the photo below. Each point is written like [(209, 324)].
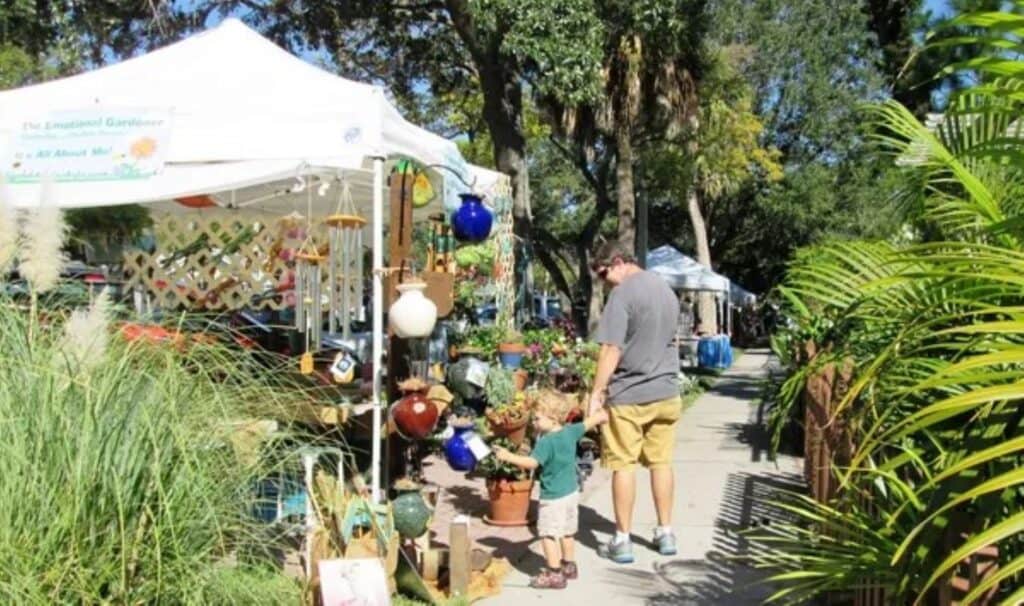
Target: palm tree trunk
[(706, 301)]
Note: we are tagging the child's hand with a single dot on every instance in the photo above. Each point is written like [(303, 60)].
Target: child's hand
[(501, 453), (597, 417)]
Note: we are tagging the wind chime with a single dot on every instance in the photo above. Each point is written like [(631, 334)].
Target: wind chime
[(308, 302), (345, 264)]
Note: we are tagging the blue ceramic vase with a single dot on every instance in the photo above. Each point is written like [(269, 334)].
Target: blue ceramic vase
[(472, 221), (457, 452)]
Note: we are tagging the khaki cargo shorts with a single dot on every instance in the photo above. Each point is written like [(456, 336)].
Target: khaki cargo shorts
[(559, 517), (640, 433)]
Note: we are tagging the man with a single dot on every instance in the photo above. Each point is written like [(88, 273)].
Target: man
[(637, 378)]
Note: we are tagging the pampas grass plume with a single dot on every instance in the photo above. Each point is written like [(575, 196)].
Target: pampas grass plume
[(87, 335), (42, 252)]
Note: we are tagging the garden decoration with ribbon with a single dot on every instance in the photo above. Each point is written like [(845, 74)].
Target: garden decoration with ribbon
[(308, 313), (345, 263)]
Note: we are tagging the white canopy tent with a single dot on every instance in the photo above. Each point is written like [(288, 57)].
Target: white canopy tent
[(684, 273), (226, 114)]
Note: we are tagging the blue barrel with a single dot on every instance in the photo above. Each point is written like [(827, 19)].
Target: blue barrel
[(707, 352), (724, 352)]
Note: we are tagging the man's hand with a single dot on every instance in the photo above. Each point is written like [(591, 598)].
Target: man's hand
[(596, 402), (596, 418)]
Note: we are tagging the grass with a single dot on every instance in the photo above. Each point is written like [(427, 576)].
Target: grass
[(117, 481)]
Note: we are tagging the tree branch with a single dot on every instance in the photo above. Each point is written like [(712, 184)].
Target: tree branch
[(551, 265), (578, 159)]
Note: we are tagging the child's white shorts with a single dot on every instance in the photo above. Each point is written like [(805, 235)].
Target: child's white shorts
[(559, 517)]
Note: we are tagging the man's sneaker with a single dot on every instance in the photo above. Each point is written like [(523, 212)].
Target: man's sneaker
[(620, 552), (570, 571), (548, 579), (666, 542)]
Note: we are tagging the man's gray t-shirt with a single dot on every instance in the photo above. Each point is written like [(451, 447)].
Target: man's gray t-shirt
[(640, 319)]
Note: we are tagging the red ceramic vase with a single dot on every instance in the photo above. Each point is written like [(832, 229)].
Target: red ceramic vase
[(415, 417)]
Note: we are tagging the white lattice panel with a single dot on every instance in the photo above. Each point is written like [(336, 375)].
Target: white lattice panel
[(221, 260)]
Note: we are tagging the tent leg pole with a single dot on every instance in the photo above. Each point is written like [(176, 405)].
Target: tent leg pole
[(378, 321)]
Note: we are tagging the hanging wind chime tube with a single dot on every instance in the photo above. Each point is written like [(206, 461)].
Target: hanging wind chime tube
[(308, 295), (345, 263)]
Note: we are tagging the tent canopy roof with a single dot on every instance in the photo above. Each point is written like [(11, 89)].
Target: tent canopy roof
[(242, 112), (684, 273)]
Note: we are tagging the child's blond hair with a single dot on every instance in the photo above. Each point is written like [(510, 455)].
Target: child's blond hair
[(552, 404)]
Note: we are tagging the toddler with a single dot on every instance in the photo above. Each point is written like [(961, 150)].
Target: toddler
[(555, 455)]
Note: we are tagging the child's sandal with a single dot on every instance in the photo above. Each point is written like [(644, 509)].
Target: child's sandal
[(549, 579)]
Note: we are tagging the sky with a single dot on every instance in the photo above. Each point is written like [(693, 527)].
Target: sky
[(937, 7)]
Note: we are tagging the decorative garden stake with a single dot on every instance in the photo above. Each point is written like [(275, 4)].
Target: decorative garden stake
[(472, 221)]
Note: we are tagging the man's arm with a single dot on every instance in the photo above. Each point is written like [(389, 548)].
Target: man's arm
[(607, 362)]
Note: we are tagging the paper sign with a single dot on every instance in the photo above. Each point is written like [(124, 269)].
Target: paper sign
[(96, 144), (359, 582), (477, 373), (477, 446)]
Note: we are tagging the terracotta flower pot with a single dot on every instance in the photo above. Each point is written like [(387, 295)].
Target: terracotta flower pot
[(512, 428), (511, 354), (510, 501), (521, 377)]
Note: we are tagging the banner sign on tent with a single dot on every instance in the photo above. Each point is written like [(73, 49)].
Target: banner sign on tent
[(89, 145)]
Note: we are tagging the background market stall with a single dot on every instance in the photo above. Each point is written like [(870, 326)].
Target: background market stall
[(223, 128), (684, 274)]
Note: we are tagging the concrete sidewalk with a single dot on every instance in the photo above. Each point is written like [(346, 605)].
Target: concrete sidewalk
[(722, 477)]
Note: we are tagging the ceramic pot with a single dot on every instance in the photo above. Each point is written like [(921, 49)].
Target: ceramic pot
[(510, 501), (457, 452), (414, 416), (411, 514), (472, 221), (412, 315), (511, 354)]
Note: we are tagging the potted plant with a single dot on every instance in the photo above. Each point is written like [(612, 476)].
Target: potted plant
[(511, 350), (506, 411), (484, 339), (508, 487)]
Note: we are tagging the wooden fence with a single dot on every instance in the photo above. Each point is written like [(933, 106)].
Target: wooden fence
[(828, 445)]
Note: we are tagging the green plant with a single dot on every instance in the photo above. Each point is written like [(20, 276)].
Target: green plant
[(484, 338), (500, 388), (932, 333), (120, 476), (493, 469)]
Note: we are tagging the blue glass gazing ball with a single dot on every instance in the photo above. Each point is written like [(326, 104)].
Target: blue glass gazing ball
[(472, 221)]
